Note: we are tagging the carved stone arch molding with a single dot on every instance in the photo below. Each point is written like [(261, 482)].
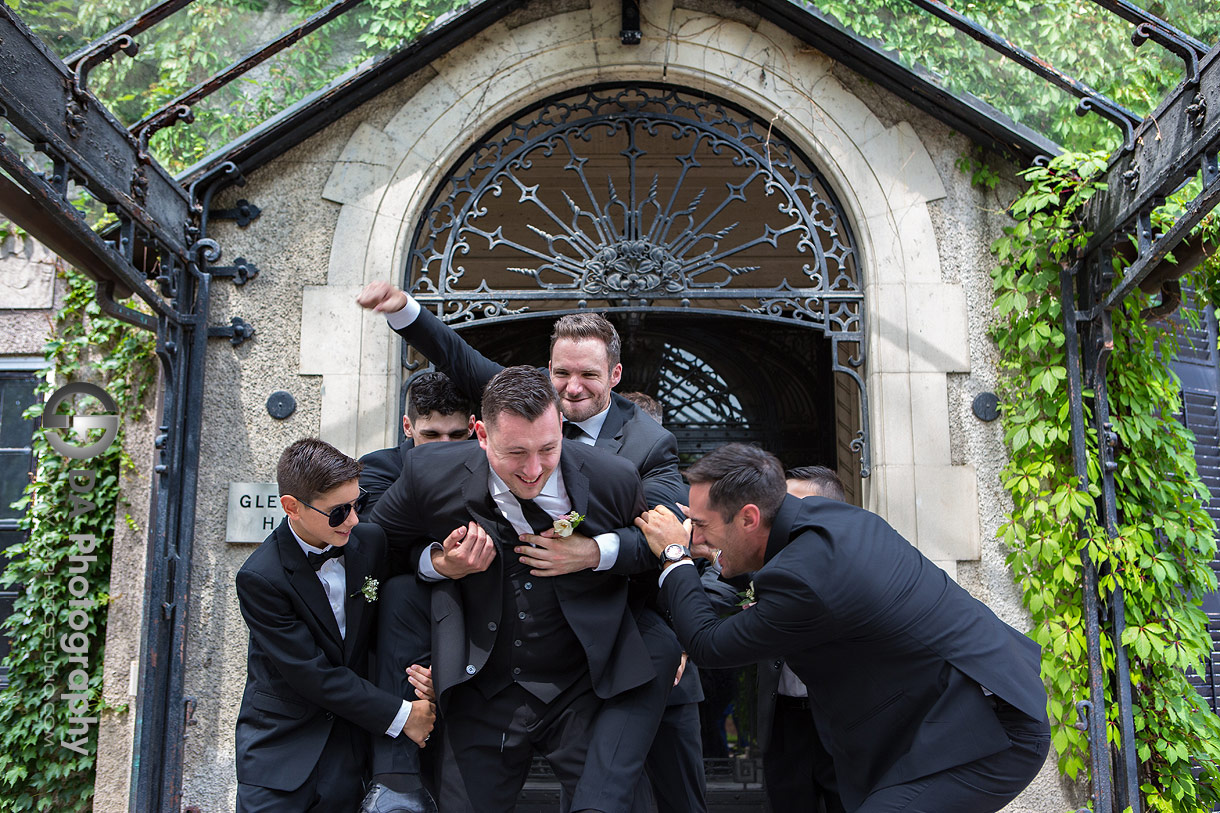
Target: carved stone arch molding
[(915, 324)]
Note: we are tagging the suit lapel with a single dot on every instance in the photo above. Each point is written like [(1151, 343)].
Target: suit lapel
[(575, 481), (610, 437), (356, 569), (479, 503), (305, 581)]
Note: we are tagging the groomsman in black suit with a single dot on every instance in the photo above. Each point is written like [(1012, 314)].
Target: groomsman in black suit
[(926, 701), (436, 412), (307, 595), (584, 368), (525, 655), (798, 770)]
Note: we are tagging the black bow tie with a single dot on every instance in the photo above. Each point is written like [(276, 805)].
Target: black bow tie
[(316, 559), (572, 431)]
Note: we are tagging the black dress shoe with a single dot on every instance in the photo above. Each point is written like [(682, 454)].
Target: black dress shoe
[(381, 799)]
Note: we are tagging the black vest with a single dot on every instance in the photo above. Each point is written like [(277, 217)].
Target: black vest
[(535, 647)]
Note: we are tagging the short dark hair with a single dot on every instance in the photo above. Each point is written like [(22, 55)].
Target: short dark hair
[(741, 474), (823, 480), (589, 325), (309, 467), (522, 390), (646, 402), (434, 392)]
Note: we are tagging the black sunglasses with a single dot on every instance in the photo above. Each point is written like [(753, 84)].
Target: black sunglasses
[(338, 515)]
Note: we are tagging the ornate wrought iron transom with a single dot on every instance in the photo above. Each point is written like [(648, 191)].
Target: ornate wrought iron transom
[(643, 199)]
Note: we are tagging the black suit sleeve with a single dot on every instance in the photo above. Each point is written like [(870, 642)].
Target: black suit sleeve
[(378, 474), (787, 617), (288, 643), (663, 484), (469, 369)]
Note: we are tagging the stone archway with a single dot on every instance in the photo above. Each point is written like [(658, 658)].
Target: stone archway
[(882, 176)]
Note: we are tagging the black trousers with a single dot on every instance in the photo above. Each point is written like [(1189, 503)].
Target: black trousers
[(982, 786), (675, 762), (489, 744), (404, 637), (626, 726), (336, 783), (798, 770)]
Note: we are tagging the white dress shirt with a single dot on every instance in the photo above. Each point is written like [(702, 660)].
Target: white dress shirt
[(333, 576), (553, 499)]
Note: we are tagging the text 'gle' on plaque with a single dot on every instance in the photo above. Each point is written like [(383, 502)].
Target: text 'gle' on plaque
[(254, 511)]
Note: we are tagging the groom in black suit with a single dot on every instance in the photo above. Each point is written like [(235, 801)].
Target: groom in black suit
[(925, 700), (585, 367), (307, 595), (521, 663)]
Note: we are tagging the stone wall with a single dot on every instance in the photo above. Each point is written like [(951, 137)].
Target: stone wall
[(338, 210)]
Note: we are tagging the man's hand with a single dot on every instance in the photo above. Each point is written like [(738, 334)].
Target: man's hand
[(681, 669), (420, 721), (466, 550), (421, 678), (381, 297), (549, 555), (662, 528)]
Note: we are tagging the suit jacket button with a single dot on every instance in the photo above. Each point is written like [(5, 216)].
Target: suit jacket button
[(529, 585), (491, 626), (521, 616), (516, 670), (330, 715), (470, 670)]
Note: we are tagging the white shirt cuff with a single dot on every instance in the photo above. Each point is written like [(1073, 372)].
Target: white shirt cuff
[(400, 720), (427, 571), (608, 544), (671, 568), (400, 319)]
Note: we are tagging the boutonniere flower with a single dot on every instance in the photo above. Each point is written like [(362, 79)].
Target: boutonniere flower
[(746, 596), (567, 523), (369, 590)]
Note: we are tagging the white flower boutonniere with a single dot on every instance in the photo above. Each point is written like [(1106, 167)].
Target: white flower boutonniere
[(369, 591), (567, 523), (746, 596)]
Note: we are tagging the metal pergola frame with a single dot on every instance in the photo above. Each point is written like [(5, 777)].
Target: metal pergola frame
[(161, 253)]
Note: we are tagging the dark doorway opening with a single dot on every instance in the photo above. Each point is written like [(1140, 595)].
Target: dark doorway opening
[(719, 379)]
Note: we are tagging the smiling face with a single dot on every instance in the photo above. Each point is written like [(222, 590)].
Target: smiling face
[(741, 548), (581, 372), (522, 452), (314, 527)]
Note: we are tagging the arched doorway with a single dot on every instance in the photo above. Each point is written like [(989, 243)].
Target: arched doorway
[(714, 244), (710, 238)]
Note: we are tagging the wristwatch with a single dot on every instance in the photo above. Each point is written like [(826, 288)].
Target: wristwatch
[(673, 553)]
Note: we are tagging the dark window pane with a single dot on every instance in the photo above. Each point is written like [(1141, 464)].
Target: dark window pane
[(16, 395), (7, 595), (14, 477)]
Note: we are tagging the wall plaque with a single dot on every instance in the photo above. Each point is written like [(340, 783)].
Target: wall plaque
[(254, 511)]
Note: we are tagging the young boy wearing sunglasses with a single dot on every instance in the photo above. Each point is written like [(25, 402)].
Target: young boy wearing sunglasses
[(307, 594)]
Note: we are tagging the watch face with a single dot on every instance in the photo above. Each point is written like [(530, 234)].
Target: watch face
[(674, 552)]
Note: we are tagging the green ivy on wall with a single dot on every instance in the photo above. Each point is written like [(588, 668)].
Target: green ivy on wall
[(1161, 555), (37, 771)]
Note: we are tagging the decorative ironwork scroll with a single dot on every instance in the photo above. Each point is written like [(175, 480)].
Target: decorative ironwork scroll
[(646, 199)]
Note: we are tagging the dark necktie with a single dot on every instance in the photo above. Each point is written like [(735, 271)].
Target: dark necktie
[(572, 431), (538, 519), (316, 559)]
